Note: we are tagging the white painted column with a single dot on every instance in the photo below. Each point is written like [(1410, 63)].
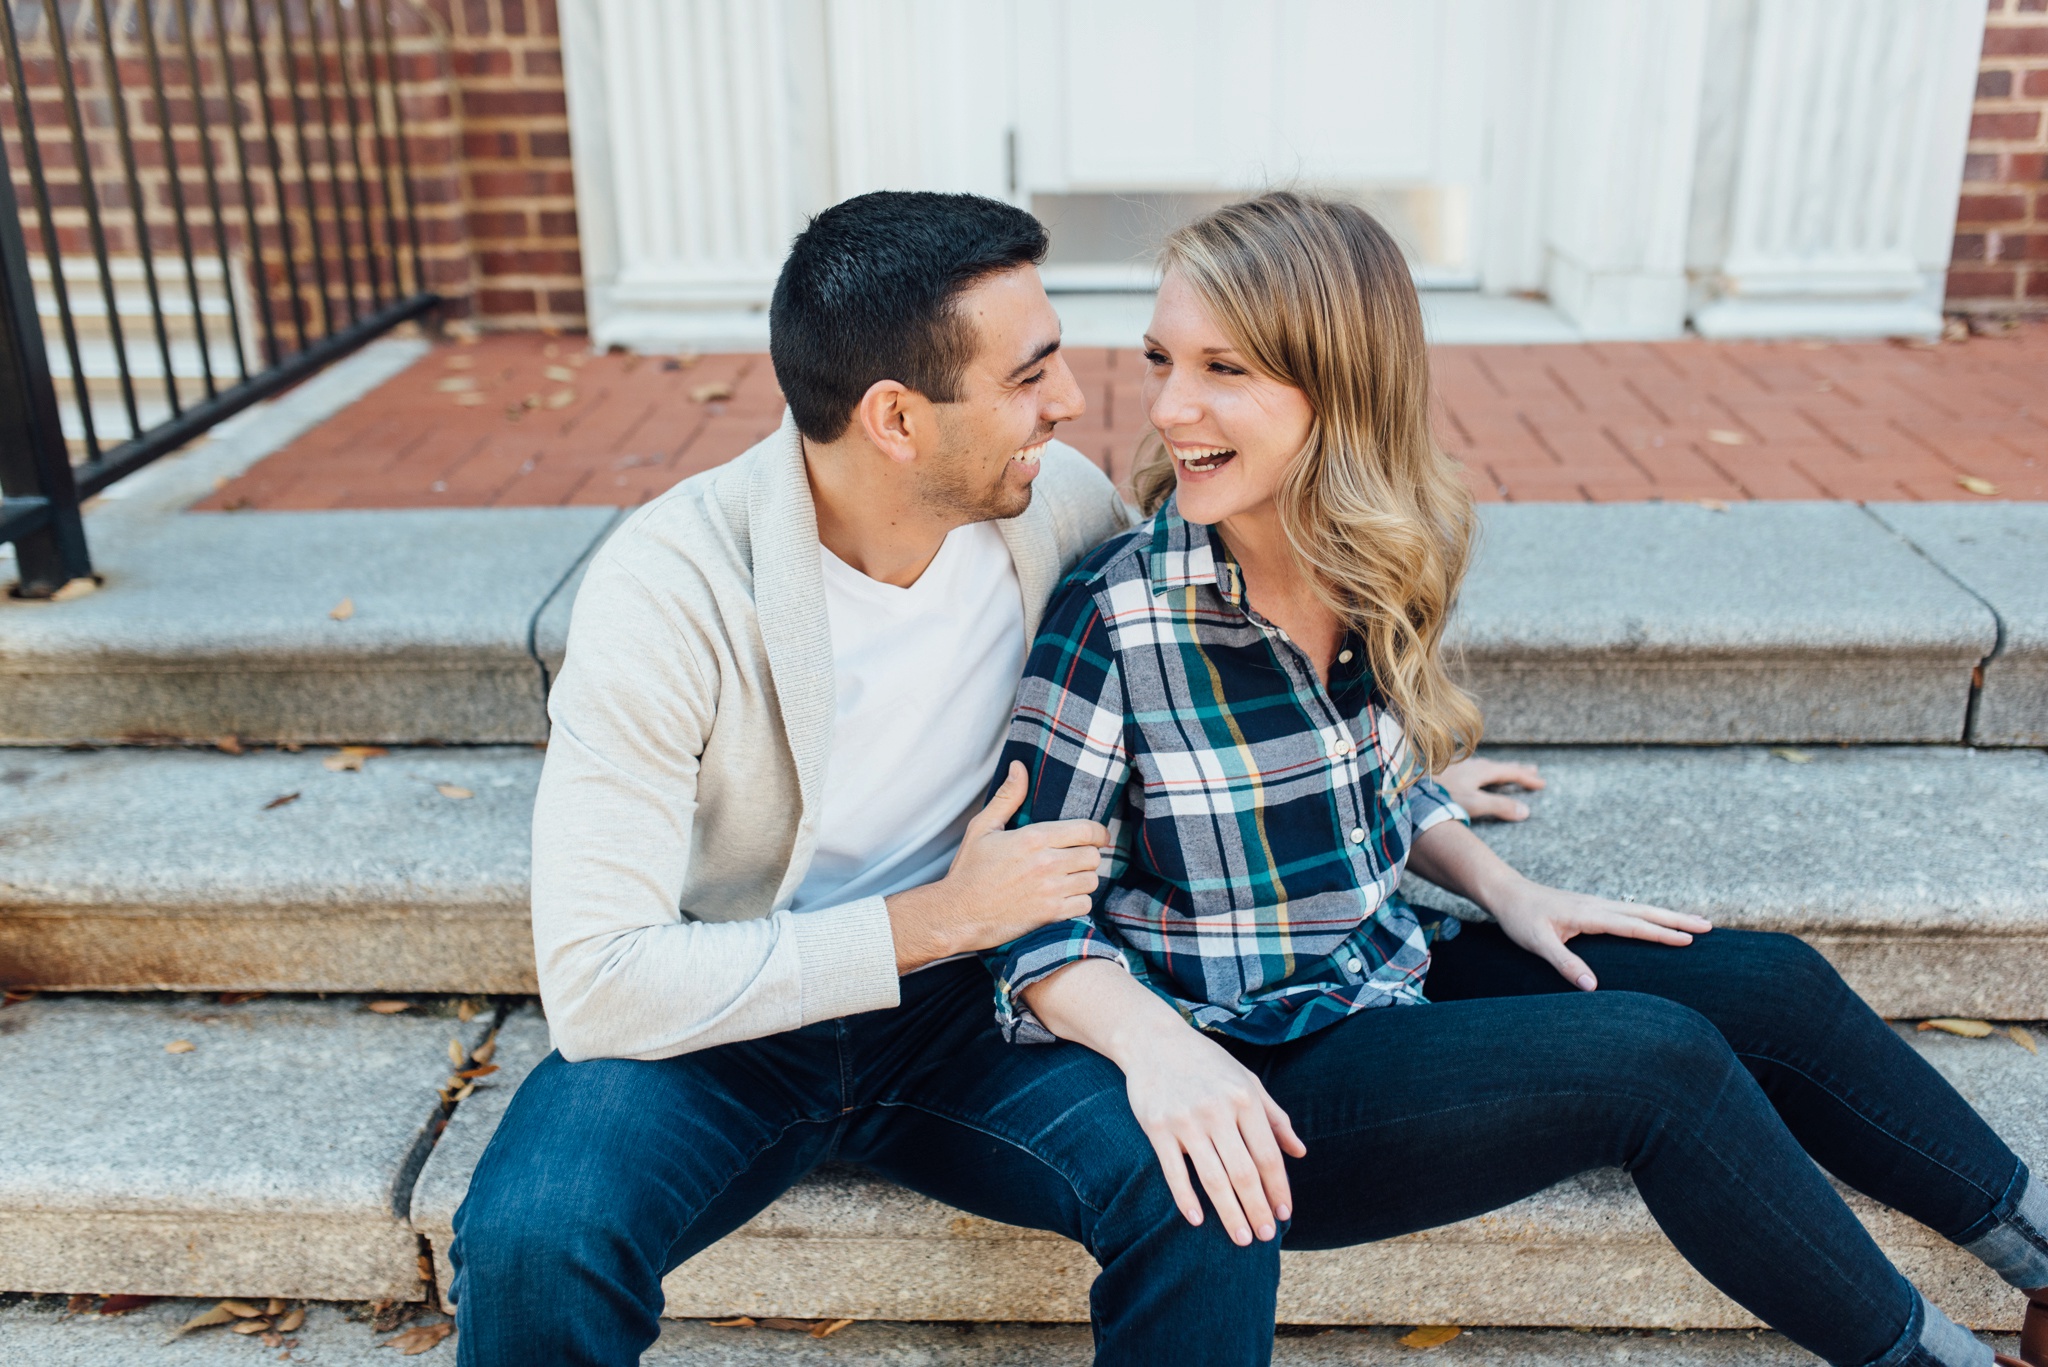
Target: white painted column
[(687, 174), (1846, 132), (1624, 110)]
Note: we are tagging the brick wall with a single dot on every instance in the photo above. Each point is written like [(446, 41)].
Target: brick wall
[(517, 191), (2001, 251), (479, 94)]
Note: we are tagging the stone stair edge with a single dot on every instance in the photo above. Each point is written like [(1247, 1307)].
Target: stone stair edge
[(187, 869)]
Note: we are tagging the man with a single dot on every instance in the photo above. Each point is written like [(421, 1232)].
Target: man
[(757, 888)]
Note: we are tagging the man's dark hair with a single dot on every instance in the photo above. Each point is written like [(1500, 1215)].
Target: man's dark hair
[(869, 293)]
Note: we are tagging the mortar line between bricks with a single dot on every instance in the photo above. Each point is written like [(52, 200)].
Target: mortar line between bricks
[(1997, 621), (547, 682)]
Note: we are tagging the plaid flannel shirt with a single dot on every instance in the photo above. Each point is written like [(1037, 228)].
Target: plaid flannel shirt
[(1257, 827)]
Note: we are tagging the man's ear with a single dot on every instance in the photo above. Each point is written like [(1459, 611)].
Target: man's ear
[(898, 420)]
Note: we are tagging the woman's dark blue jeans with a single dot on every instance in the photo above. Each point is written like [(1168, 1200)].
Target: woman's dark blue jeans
[(1716, 1074)]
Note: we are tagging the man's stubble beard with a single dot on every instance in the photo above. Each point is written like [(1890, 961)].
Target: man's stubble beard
[(953, 485)]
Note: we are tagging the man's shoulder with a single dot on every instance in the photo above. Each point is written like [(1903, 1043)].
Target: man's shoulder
[(1084, 507), (697, 527)]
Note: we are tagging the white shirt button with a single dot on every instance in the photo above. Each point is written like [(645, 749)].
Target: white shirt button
[(1353, 965), (1358, 835), (1340, 746), (1343, 657)]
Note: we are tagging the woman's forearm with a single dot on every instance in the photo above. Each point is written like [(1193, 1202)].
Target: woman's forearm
[(1453, 858), (1098, 1003)]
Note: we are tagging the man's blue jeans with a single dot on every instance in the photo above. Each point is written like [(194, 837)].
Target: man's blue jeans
[(606, 1174)]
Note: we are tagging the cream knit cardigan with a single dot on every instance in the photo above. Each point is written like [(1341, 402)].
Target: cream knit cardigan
[(678, 805)]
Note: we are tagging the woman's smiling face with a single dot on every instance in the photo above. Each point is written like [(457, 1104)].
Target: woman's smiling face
[(1231, 432)]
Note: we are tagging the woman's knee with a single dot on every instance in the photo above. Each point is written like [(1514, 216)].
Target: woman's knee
[(1651, 1044)]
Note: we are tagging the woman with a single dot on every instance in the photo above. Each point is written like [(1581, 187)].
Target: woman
[(1249, 691)]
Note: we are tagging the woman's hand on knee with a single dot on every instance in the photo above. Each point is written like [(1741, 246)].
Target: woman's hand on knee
[(1201, 1107), (1541, 919)]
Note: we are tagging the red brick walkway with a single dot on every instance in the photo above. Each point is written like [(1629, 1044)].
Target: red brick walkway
[(523, 420)]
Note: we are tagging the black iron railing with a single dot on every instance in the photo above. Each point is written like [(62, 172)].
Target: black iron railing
[(219, 202)]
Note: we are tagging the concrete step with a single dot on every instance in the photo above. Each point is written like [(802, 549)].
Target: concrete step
[(281, 1155), (1764, 623), (1918, 870), (2000, 553), (1675, 622), (1583, 1253), (39, 1330), (185, 1147)]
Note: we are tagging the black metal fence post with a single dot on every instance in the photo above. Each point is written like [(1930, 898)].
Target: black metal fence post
[(39, 510)]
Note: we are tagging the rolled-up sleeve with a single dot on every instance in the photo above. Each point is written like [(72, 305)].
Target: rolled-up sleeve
[(1069, 731), (1429, 804)]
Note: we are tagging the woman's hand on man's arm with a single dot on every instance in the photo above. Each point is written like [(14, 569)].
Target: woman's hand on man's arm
[(1539, 918), (1195, 1102)]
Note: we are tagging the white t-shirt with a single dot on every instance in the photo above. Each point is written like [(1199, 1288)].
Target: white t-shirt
[(926, 679)]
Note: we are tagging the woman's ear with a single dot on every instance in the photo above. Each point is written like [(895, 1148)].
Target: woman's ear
[(894, 418)]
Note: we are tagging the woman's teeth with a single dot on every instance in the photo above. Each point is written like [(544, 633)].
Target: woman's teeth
[(1202, 459)]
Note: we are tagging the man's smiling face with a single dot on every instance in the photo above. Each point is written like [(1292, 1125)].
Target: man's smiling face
[(1011, 395)]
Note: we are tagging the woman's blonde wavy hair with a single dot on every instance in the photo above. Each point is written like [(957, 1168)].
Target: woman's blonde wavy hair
[(1316, 295)]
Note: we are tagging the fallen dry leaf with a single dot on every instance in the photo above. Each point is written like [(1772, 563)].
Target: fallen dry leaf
[(743, 1322), (390, 1008), (485, 1071), (453, 790), (205, 1319), (274, 1307), (228, 745), (827, 1330), (1956, 1025), (560, 374), (350, 758), (455, 1052), (1722, 436), (180, 1046), (14, 996), (281, 800), (1983, 488), (1791, 756), (1713, 505), (711, 393), (78, 1304), (343, 610), (455, 384), (420, 1338), (1430, 1335), (561, 398), (240, 1309), (467, 1088), (258, 1326), (2023, 1037), (485, 1050), (237, 998), (122, 1305), (293, 1318), (77, 588), (466, 1010), (790, 1326)]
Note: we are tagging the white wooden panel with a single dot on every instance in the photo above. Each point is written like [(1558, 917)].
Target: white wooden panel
[(1843, 193)]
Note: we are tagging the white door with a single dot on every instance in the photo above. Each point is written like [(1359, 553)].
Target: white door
[(1133, 114)]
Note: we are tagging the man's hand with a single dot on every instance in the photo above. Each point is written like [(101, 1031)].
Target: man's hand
[(1001, 884), (1195, 1102), (1469, 780)]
